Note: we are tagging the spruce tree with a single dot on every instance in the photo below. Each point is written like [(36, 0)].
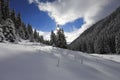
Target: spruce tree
[(35, 35), (22, 31), (19, 27), (38, 36), (117, 41), (7, 12), (41, 39), (18, 22), (13, 16), (53, 38), (0, 12), (61, 41), (30, 31), (3, 9), (26, 32), (64, 43)]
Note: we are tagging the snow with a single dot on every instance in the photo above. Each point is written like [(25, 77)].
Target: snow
[(34, 61), (109, 57)]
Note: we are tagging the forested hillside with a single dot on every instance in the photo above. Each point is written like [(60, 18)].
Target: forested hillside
[(102, 37)]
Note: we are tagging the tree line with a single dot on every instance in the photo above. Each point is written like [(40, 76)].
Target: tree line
[(22, 30), (12, 28)]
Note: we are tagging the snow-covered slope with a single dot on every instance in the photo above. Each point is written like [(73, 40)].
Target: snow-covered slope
[(33, 61), (109, 57)]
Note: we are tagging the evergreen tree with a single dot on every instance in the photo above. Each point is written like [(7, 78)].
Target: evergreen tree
[(3, 9), (7, 12), (13, 16), (38, 36), (19, 27), (47, 42), (64, 43), (26, 32), (98, 45), (0, 12), (30, 31), (22, 31), (101, 45), (35, 35), (18, 23), (9, 31), (41, 39), (61, 41), (117, 40), (53, 38)]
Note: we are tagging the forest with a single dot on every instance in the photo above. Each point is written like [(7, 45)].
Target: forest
[(13, 29)]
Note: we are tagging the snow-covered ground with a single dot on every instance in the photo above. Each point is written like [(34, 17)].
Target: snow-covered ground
[(33, 61), (109, 57)]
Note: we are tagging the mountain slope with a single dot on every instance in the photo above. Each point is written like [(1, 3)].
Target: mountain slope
[(33, 61), (100, 37)]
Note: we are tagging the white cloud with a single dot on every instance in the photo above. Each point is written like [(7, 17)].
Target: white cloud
[(31, 1), (46, 35), (64, 11)]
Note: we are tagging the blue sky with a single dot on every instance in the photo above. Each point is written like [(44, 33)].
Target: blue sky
[(75, 16), (38, 19)]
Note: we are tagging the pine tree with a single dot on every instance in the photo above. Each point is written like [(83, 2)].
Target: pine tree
[(98, 45), (13, 16), (64, 43), (41, 39), (9, 31), (47, 42), (7, 12), (18, 23), (38, 36), (26, 32), (101, 45), (117, 40), (20, 27), (3, 9), (61, 41), (35, 35), (22, 31), (0, 12), (53, 39), (19, 19), (30, 31)]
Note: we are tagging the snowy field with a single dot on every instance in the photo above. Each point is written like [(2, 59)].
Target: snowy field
[(111, 57), (33, 61)]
